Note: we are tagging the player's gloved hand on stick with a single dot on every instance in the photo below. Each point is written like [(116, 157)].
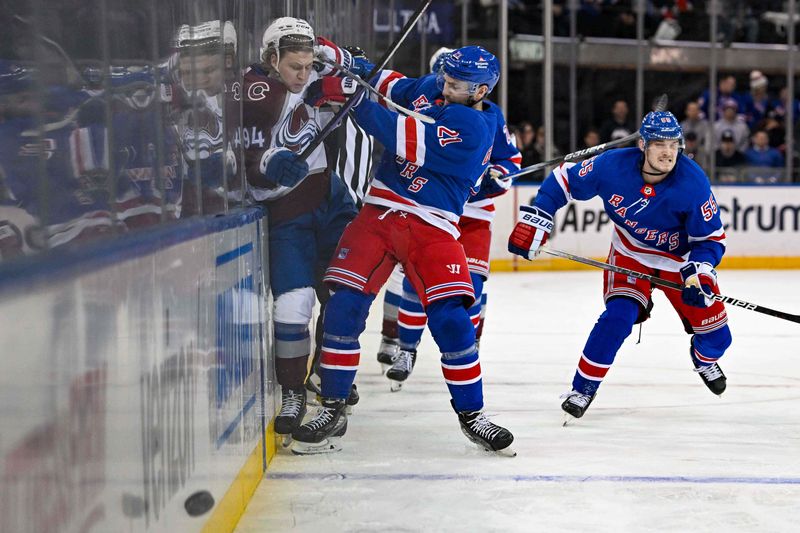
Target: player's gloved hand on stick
[(361, 63), (501, 176), (532, 230), (331, 52), (330, 89), (283, 167), (699, 281)]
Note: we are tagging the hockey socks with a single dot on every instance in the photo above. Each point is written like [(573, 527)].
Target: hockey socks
[(345, 319), (606, 338), (455, 336), (411, 318), (292, 347)]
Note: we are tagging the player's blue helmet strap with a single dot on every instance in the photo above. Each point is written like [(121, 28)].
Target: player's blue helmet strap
[(473, 64), (661, 125)]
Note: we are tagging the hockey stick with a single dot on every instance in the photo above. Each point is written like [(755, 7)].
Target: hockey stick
[(660, 104), (373, 90), (672, 285), (339, 116)]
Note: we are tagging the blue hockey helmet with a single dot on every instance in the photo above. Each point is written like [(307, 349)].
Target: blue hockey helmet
[(473, 64), (661, 125)]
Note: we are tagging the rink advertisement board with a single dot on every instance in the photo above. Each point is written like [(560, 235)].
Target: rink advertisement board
[(132, 388), (761, 227)]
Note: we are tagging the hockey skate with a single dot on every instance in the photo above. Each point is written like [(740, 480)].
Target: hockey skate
[(401, 369), (477, 427), (574, 405), (321, 434), (387, 353), (293, 409), (711, 375)]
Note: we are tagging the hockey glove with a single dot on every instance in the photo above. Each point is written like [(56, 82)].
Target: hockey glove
[(330, 90), (533, 227), (699, 281), (362, 66), (283, 167), (333, 53), (500, 175)]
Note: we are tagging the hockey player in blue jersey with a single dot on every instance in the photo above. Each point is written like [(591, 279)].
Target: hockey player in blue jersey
[(666, 224), (474, 225), (410, 216)]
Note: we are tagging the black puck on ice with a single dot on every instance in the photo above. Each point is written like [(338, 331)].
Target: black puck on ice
[(199, 502)]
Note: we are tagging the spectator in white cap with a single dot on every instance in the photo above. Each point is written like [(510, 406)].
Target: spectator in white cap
[(757, 102)]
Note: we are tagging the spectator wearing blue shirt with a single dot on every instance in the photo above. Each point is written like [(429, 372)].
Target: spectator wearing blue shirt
[(760, 154)]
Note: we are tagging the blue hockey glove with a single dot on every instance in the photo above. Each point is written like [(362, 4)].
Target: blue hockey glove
[(283, 167), (699, 281), (532, 230)]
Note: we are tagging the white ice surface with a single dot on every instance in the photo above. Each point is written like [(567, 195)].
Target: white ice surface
[(656, 451)]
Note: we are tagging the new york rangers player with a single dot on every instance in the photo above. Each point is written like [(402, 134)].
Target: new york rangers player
[(410, 216), (474, 224), (666, 224)]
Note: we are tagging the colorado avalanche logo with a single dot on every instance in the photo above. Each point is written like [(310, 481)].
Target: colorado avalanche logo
[(296, 130)]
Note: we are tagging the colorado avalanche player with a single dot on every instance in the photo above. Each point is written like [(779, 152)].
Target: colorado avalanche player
[(475, 222), (410, 216), (666, 224), (308, 206)]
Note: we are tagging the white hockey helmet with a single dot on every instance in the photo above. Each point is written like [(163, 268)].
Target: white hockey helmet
[(287, 31), (206, 34)]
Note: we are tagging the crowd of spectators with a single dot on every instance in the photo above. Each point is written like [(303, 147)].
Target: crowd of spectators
[(746, 133), (739, 20)]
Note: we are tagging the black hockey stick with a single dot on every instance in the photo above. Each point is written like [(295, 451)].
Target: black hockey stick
[(660, 104), (671, 285), (339, 116)]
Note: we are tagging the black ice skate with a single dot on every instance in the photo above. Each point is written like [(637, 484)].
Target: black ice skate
[(293, 409), (477, 427), (321, 434), (575, 404), (387, 353), (711, 375), (401, 369)]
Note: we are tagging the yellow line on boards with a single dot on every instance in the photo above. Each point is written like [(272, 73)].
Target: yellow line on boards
[(229, 510)]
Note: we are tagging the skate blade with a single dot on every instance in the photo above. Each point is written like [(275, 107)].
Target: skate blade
[(286, 441), (568, 418), (395, 386), (329, 445), (505, 452)]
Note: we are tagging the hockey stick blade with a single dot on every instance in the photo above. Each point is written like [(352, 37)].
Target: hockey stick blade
[(735, 302), (659, 104), (400, 109), (351, 102)]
